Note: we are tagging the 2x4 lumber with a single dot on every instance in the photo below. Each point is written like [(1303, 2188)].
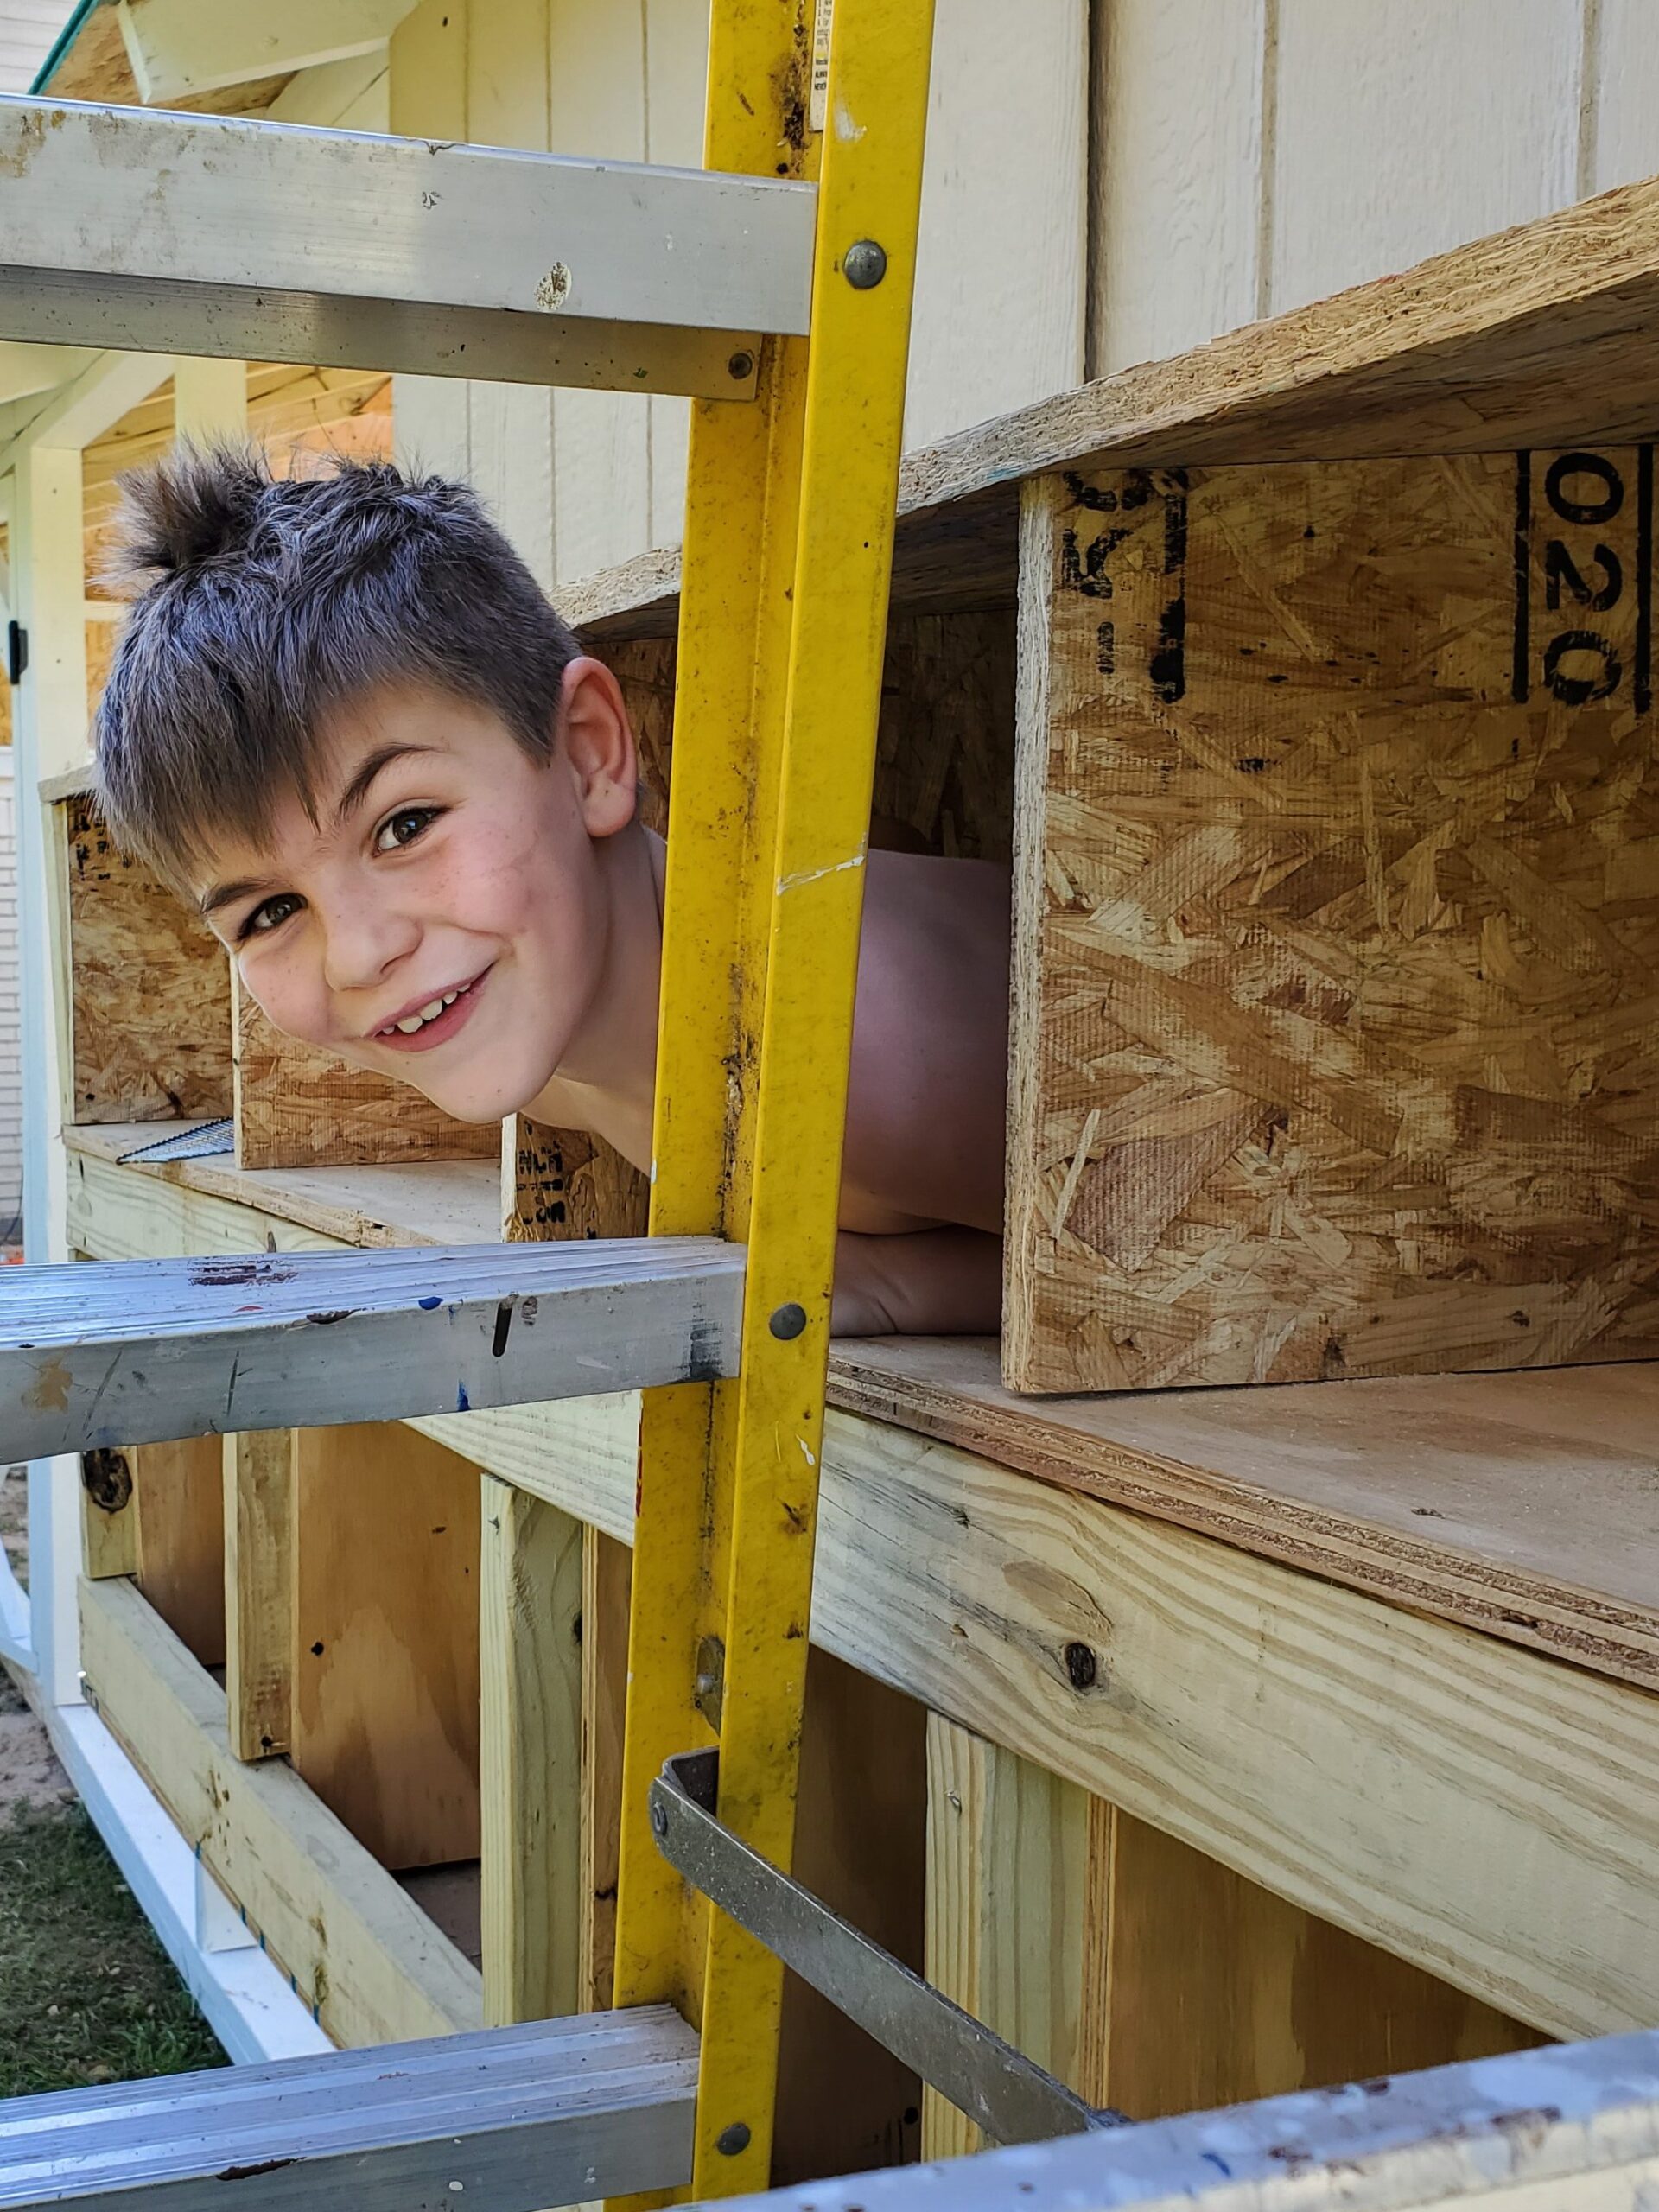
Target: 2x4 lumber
[(114, 1355), (371, 1964), (1018, 1928), (181, 49), (531, 1653), (258, 1477), (514, 2119), (1573, 2127), (341, 250)]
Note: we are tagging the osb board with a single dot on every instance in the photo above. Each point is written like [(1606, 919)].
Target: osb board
[(149, 988), (568, 1183), (944, 754), (1337, 911), (299, 1107), (384, 1707)]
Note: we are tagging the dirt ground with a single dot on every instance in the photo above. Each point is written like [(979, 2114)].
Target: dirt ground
[(30, 1774)]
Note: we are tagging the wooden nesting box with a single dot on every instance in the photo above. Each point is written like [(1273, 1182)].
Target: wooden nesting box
[(1337, 922)]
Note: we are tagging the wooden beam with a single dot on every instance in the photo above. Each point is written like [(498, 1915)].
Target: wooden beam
[(531, 1648), (1018, 1924), (26, 369), (182, 48), (369, 1962), (242, 1344), (259, 1480)]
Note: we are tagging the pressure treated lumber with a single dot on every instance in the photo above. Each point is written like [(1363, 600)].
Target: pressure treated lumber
[(521, 2117), (1535, 337), (1520, 1505), (100, 1355), (297, 1106), (532, 1644), (1337, 909), (370, 1964), (1526, 1505), (149, 987), (257, 1472)]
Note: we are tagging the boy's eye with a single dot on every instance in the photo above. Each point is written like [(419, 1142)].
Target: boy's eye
[(403, 827), (270, 914)]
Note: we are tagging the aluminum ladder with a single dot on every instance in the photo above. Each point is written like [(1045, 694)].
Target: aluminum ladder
[(774, 288)]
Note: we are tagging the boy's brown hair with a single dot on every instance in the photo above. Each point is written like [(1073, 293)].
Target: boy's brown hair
[(262, 604)]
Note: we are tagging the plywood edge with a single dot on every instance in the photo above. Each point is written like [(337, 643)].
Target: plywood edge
[(73, 783), (371, 1964), (1026, 964)]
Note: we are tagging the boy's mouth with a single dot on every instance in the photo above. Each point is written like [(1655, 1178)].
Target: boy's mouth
[(430, 1021)]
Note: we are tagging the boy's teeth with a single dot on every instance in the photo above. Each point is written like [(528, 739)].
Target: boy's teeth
[(430, 1012)]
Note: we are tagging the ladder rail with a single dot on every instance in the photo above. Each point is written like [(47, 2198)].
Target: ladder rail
[(750, 1112), (515, 2118), (337, 249), (107, 1354)]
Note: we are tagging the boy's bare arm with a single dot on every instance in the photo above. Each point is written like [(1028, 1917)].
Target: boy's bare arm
[(932, 1283)]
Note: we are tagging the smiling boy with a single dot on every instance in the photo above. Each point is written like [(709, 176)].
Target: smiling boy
[(344, 724)]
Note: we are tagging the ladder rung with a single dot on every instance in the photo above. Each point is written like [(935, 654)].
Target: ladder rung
[(508, 2119), (194, 234), (139, 1351)]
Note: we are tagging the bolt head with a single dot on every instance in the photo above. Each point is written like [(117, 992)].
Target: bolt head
[(864, 264), (733, 2139), (659, 1821), (787, 1323), (741, 364)]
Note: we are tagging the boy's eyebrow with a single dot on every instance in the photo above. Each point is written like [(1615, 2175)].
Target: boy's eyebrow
[(226, 894), (368, 769)]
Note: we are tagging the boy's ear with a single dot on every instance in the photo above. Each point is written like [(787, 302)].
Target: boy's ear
[(598, 741)]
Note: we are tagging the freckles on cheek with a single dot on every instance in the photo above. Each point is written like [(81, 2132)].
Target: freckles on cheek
[(291, 1001)]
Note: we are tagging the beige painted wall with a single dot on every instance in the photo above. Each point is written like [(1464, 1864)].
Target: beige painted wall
[(1107, 182)]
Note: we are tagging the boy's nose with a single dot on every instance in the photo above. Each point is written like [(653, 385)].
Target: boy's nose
[(365, 943)]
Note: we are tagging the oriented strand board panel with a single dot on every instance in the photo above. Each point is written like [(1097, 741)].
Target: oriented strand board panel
[(149, 988), (570, 1183), (299, 1107), (1337, 913)]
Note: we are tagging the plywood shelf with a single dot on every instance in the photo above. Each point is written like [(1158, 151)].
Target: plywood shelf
[(1537, 336), (1523, 1505)]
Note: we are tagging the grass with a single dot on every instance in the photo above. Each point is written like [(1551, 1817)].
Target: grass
[(87, 1992)]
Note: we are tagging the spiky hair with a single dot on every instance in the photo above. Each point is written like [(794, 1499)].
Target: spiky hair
[(262, 604)]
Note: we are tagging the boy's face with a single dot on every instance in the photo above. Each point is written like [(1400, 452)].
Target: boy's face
[(444, 920)]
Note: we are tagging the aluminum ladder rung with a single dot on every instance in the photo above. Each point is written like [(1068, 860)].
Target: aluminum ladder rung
[(508, 2119), (274, 242), (137, 1351)]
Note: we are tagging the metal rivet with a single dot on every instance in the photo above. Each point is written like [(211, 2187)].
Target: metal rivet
[(733, 2139), (1081, 1665), (788, 1322), (659, 1821), (741, 366), (864, 265)]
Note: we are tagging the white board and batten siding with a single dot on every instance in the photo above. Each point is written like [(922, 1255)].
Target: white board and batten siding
[(11, 1081), (1250, 156), (582, 480)]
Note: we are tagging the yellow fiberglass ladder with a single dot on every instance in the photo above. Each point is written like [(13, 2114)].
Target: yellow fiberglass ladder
[(775, 288)]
